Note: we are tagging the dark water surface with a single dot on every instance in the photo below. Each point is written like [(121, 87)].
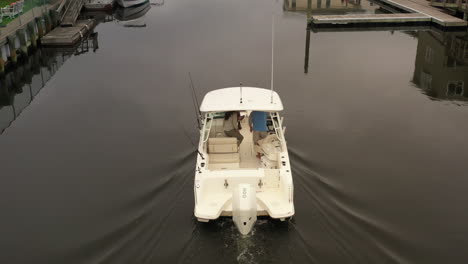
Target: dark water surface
[(96, 168)]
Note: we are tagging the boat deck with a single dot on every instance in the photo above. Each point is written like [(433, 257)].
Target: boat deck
[(247, 154), (248, 159)]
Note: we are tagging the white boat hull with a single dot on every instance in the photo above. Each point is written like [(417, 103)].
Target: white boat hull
[(214, 199), (231, 179), (129, 3)]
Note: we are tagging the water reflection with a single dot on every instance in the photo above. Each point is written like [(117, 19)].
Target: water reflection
[(20, 86), (441, 68)]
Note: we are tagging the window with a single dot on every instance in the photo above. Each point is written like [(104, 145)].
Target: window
[(426, 81), (429, 55), (455, 88)]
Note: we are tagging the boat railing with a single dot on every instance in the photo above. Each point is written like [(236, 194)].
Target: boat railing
[(207, 127), (277, 126)]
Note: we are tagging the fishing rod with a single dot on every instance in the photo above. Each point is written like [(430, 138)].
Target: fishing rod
[(193, 144), (195, 101)]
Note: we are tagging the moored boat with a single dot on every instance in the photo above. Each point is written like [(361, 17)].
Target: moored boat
[(132, 16), (243, 180), (129, 3)]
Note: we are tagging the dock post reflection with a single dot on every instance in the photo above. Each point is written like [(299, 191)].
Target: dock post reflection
[(307, 47), (19, 85)]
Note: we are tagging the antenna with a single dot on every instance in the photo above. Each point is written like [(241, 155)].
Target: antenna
[(240, 86), (195, 101), (272, 52)]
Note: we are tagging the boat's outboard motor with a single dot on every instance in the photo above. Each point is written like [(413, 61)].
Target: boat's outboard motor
[(244, 207)]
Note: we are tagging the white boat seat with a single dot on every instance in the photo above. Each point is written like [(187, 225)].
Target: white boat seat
[(225, 158), (222, 145), (223, 153)]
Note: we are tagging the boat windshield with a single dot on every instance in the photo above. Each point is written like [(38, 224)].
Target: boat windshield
[(214, 123)]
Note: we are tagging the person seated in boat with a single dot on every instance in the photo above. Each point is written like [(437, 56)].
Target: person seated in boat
[(258, 127), (231, 128)]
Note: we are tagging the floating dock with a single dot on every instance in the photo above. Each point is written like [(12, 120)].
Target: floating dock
[(419, 13), (67, 36), (423, 7), (370, 18)]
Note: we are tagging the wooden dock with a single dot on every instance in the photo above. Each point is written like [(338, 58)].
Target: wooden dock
[(371, 18), (67, 36), (437, 16), (370, 27), (419, 12)]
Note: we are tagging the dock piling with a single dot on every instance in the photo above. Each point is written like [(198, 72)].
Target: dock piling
[(11, 44), (23, 42), (2, 63)]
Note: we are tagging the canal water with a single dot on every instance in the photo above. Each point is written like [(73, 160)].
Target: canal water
[(96, 166)]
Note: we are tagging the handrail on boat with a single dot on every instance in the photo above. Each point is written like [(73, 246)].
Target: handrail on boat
[(277, 126), (209, 116)]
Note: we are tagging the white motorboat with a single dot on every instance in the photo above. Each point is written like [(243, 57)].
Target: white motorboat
[(129, 3), (133, 16), (230, 180), (99, 4)]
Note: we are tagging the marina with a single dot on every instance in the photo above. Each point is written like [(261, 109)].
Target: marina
[(103, 158), (55, 23)]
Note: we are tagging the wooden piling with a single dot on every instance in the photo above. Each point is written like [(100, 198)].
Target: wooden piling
[(11, 45), (23, 43), (32, 33), (48, 23), (2, 62), (40, 27)]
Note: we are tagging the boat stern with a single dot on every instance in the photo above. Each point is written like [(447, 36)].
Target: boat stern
[(244, 208)]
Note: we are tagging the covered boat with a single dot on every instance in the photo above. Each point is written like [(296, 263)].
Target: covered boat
[(247, 180)]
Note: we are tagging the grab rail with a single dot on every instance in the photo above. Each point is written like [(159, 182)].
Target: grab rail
[(205, 129), (277, 126)]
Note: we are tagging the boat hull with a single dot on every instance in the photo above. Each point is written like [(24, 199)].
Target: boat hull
[(215, 193), (129, 3)]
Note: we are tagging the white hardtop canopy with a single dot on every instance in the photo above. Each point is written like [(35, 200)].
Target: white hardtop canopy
[(229, 99)]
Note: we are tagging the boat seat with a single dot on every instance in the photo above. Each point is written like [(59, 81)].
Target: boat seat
[(225, 158), (222, 145), (223, 153)]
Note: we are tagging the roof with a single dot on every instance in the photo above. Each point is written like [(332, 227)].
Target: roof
[(229, 99)]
